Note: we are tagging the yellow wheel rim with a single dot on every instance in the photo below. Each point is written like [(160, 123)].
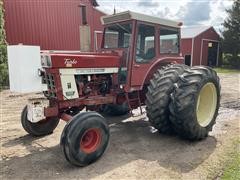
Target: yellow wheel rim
[(206, 104)]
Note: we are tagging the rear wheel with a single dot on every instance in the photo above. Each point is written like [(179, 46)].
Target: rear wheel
[(85, 138), (195, 103), (44, 127), (158, 96)]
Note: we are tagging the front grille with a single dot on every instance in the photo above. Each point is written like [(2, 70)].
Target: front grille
[(49, 80)]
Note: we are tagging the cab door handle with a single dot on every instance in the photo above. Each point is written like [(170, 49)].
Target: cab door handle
[(136, 65)]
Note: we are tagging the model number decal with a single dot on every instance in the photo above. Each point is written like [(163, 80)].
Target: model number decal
[(86, 71)]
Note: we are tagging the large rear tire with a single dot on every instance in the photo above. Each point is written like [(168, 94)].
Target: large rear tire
[(41, 128), (85, 138), (195, 103), (158, 96)]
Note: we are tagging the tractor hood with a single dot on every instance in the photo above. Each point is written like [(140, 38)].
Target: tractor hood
[(80, 60)]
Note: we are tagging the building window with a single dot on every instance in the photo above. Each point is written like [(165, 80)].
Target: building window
[(169, 41), (210, 45), (145, 49), (84, 15)]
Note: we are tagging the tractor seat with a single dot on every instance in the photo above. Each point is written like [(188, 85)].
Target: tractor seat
[(150, 53)]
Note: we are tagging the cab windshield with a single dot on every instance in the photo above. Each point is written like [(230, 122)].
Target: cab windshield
[(118, 35)]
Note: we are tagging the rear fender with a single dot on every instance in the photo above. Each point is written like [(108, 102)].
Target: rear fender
[(157, 65)]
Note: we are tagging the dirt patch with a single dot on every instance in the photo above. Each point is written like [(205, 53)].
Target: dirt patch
[(135, 150)]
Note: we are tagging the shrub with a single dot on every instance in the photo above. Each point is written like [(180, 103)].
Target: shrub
[(231, 61), (234, 61), (3, 52)]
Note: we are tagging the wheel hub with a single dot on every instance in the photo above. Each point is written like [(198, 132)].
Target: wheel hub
[(90, 140), (206, 104)]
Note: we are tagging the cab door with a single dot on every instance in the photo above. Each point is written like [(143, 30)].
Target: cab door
[(144, 54)]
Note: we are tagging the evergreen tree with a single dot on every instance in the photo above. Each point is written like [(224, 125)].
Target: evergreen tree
[(231, 34)]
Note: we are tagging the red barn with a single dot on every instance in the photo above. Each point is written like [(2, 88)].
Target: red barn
[(51, 24), (200, 46)]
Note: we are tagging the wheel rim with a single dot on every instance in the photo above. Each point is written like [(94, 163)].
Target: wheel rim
[(90, 140), (206, 104)]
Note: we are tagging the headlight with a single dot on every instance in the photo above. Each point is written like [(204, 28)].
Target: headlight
[(46, 60), (40, 72)]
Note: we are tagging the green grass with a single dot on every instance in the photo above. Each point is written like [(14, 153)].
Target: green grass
[(232, 171), (226, 70)]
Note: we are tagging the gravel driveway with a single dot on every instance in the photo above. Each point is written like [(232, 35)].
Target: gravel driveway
[(135, 151)]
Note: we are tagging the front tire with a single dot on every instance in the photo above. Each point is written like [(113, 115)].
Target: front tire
[(41, 128), (85, 138), (195, 103)]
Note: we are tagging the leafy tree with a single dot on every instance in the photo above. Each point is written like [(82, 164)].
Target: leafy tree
[(231, 34), (3, 51)]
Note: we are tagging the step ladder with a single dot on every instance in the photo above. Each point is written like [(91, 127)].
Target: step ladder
[(135, 99)]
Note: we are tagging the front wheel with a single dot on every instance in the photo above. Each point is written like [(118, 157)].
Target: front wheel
[(195, 103), (85, 138), (41, 128)]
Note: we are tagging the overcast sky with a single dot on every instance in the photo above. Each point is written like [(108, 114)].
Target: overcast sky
[(190, 12)]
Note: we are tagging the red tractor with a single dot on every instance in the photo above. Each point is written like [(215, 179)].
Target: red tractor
[(139, 64)]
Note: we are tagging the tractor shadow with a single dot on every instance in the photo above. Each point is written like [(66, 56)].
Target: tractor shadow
[(130, 141)]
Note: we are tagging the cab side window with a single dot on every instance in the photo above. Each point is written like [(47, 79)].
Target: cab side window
[(118, 36), (169, 41), (145, 49)]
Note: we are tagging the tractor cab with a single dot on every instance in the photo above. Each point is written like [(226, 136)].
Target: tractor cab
[(144, 42)]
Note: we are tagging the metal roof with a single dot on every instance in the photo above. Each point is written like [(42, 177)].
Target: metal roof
[(191, 32), (128, 15)]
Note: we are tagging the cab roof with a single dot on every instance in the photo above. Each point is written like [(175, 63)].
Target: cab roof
[(129, 15)]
